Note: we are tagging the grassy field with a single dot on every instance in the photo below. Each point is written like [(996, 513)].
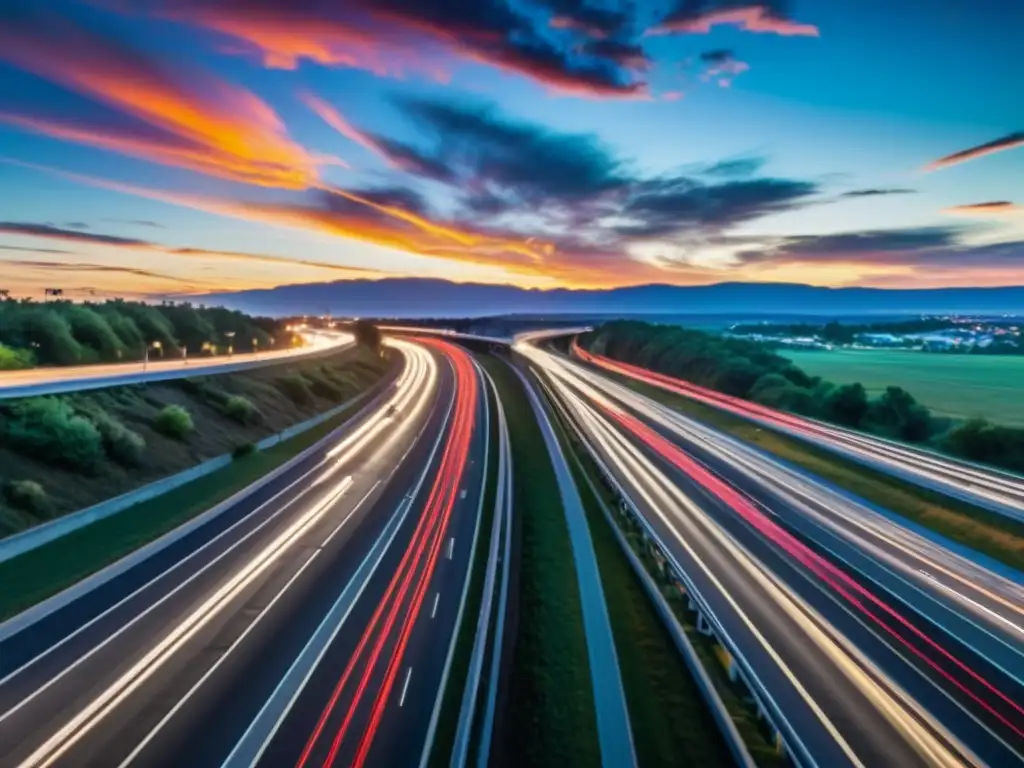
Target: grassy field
[(960, 386), (550, 718)]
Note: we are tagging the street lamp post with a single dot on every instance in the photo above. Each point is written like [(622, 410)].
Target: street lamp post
[(231, 344)]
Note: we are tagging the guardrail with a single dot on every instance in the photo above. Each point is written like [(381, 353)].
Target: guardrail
[(668, 618), (63, 386), (766, 703), (503, 503), (435, 715)]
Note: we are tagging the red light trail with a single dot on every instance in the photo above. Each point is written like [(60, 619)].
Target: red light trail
[(417, 565)]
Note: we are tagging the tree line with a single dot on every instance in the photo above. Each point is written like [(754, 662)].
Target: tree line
[(755, 371), (66, 333)]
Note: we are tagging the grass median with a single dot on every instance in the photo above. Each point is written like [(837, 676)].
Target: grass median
[(550, 717), (46, 570), (669, 717), (448, 722), (990, 533)]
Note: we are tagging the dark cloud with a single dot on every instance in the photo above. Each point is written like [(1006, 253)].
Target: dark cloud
[(76, 225), (873, 241), (138, 223), (594, 18), (719, 56), (387, 36), (628, 55), (513, 161), (1009, 141), (46, 230), (877, 191), (663, 208)]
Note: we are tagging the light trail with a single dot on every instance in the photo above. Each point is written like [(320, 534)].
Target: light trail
[(997, 704), (416, 567), (414, 394), (990, 486)]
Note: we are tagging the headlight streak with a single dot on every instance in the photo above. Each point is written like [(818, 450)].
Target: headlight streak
[(420, 557), (924, 740), (670, 499), (421, 383), (837, 511), (999, 487)]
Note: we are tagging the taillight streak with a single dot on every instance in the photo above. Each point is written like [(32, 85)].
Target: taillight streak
[(427, 538), (853, 592)]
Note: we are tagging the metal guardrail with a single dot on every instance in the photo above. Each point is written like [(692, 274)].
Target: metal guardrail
[(768, 704), (64, 386), (679, 638), (614, 728), (435, 715), (467, 712)]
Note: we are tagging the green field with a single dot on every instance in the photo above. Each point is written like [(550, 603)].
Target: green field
[(960, 386)]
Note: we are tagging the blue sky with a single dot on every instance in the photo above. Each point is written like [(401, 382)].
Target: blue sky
[(154, 147)]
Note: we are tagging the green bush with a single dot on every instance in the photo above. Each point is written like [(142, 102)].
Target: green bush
[(324, 387), (14, 359), (27, 495), (295, 388), (47, 428), (174, 422), (121, 444), (243, 450), (237, 408)]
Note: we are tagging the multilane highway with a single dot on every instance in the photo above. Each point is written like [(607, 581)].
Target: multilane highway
[(860, 664), (990, 489), (307, 624)]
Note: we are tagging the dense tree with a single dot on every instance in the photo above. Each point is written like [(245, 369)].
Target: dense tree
[(847, 404), (65, 333)]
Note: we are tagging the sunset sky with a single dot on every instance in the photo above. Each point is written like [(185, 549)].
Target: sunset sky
[(152, 147)]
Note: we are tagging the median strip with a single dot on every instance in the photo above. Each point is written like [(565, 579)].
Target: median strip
[(549, 716)]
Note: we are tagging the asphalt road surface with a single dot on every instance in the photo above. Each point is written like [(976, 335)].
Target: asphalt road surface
[(228, 645)]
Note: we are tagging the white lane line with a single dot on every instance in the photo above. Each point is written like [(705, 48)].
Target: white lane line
[(405, 686), (348, 517), (462, 493), (184, 699), (969, 601), (451, 547), (79, 725), (357, 433), (433, 611)]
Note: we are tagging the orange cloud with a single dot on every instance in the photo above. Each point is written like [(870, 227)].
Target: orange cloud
[(752, 18), (221, 130), (996, 208), (998, 145), (334, 118)]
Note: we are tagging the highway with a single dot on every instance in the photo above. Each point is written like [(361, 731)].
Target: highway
[(988, 488), (859, 663), (74, 378), (308, 623)]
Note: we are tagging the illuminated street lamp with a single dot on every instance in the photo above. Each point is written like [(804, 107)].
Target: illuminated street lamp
[(231, 343), (255, 345), (145, 353)]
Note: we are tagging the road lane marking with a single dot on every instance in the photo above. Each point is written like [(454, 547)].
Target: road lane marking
[(433, 611), (451, 547), (405, 686)]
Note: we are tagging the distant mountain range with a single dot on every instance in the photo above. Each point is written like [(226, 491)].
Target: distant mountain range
[(419, 297)]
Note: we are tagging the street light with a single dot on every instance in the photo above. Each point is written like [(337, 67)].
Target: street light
[(145, 353), (255, 345), (231, 344)]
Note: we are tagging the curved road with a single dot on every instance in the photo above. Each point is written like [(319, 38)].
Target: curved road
[(74, 378), (307, 623)]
